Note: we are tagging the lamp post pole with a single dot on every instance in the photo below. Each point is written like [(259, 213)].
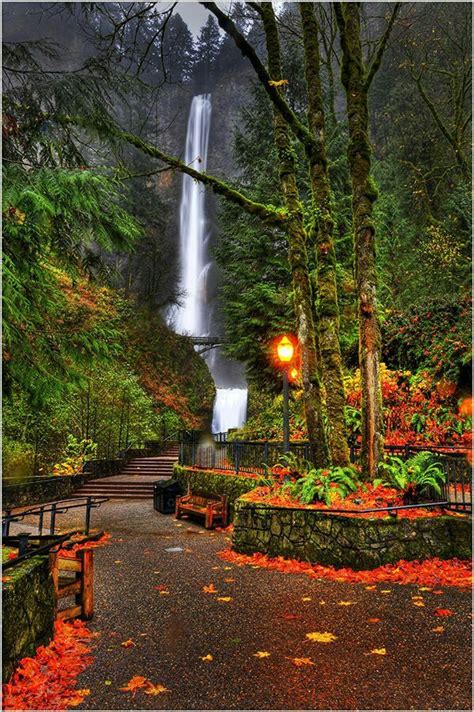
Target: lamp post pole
[(285, 351), (286, 413)]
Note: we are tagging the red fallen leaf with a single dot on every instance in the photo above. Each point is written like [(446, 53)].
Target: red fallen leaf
[(209, 589), (451, 572), (12, 555), (47, 680), (443, 612), (134, 684), (70, 553), (161, 587), (373, 620), (290, 616)]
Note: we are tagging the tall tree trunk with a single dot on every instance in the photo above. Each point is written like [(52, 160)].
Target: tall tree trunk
[(298, 258), (327, 308), (364, 194)]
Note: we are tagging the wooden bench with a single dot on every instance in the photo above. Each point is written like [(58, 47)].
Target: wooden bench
[(213, 507)]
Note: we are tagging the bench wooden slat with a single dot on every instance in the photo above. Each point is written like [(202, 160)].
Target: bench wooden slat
[(210, 506)]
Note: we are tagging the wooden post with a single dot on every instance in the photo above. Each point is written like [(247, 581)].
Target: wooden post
[(53, 565), (87, 588)]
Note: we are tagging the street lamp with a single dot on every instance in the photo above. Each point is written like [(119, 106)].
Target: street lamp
[(285, 351)]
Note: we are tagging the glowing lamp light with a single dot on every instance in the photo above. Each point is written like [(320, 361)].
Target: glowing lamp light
[(285, 350)]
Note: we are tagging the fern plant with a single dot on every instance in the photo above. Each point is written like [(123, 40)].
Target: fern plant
[(415, 477), (322, 485)]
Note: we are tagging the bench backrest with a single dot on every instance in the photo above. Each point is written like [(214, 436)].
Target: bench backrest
[(202, 498)]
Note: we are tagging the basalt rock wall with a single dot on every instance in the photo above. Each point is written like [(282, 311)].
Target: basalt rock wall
[(329, 539)]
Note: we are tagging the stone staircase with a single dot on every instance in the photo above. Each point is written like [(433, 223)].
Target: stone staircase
[(136, 479)]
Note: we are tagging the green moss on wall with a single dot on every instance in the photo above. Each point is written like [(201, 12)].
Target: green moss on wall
[(335, 540), (28, 611)]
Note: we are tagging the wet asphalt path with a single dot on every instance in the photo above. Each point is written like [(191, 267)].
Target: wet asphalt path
[(172, 631)]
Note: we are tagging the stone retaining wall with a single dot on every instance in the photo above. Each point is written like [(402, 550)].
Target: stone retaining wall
[(214, 483), (336, 540), (28, 611), (44, 489)]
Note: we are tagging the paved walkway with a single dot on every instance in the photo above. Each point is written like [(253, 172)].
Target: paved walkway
[(267, 612)]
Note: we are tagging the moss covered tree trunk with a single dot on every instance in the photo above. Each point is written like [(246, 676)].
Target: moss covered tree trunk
[(298, 258), (363, 197), (327, 308)]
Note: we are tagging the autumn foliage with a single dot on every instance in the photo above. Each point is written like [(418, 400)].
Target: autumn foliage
[(431, 572), (364, 497), (47, 680)]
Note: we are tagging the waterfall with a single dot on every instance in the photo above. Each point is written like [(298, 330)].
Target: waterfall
[(230, 409), (195, 315), (190, 317)]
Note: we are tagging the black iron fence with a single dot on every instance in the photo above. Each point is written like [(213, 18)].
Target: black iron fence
[(254, 457)]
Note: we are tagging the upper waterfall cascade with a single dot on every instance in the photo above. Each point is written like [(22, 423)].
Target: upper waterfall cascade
[(195, 315)]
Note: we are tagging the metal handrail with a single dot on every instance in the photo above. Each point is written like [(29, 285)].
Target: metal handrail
[(53, 509)]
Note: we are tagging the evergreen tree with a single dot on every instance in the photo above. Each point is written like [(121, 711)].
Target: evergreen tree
[(179, 52)]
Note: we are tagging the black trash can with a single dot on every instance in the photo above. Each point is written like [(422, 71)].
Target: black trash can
[(164, 495)]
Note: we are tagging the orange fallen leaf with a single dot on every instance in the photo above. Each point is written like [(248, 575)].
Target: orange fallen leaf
[(321, 637), (261, 654), (134, 684), (306, 598), (417, 598), (155, 689), (346, 603), (420, 604), (424, 588), (386, 590), (164, 593), (207, 658), (77, 698), (438, 593), (224, 599), (5, 579), (229, 580), (209, 589), (373, 620), (443, 612), (128, 644), (438, 629), (370, 588), (299, 662)]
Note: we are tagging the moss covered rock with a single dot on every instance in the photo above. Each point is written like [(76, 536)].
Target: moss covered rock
[(340, 541), (28, 611)]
